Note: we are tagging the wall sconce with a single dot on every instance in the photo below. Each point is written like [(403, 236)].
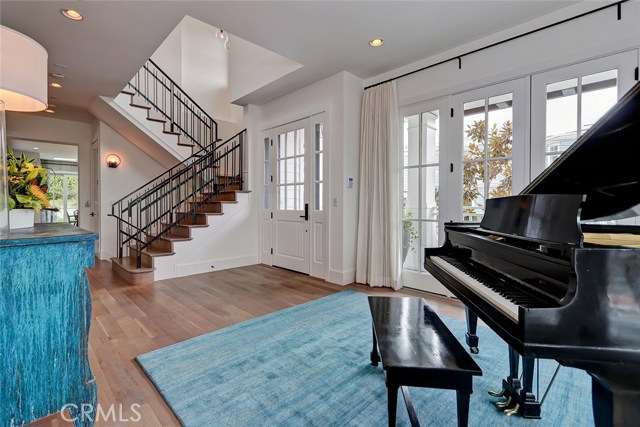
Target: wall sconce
[(113, 160)]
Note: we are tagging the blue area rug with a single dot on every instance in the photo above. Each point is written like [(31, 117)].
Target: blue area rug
[(309, 365)]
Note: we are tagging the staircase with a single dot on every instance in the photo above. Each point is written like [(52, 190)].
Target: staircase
[(154, 218)]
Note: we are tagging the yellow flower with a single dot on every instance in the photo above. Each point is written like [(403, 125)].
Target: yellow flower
[(37, 192)]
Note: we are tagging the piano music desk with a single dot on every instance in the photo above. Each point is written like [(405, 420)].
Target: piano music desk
[(418, 350)]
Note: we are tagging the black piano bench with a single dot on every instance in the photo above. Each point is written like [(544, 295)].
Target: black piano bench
[(418, 350)]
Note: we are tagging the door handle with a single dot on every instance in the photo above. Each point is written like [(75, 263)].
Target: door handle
[(306, 212)]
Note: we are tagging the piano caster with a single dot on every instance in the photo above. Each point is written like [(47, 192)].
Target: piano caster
[(513, 411), (504, 404), (474, 350), (496, 394)]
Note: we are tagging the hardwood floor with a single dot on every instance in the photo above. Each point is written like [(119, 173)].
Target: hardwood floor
[(130, 320)]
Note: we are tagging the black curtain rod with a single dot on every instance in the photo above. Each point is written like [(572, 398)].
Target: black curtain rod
[(459, 57)]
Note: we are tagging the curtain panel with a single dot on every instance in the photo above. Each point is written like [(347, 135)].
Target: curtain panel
[(378, 251)]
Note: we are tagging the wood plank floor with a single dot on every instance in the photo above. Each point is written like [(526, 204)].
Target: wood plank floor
[(131, 320)]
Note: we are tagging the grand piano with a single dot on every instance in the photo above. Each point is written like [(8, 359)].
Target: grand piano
[(555, 276)]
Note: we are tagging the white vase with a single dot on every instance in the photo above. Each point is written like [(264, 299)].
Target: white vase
[(21, 218)]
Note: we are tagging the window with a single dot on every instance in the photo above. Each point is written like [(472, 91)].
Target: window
[(573, 106), (421, 186), (487, 153)]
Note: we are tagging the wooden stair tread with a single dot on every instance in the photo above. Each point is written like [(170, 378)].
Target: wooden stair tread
[(128, 91), (171, 132), (153, 252), (175, 238), (156, 119), (146, 107), (129, 264)]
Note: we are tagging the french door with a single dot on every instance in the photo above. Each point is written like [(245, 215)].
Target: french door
[(293, 204), (458, 151), (567, 101)]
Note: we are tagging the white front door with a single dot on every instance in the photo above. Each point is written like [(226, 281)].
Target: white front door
[(290, 151)]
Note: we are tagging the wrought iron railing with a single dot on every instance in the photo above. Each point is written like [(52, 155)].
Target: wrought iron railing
[(166, 98), (178, 195)]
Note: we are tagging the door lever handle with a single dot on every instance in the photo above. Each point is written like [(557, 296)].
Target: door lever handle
[(306, 212)]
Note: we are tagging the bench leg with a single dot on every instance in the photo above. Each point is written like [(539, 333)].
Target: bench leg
[(392, 403), (375, 357), (463, 408)]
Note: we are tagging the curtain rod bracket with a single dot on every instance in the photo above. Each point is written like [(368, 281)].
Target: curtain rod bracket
[(459, 63)]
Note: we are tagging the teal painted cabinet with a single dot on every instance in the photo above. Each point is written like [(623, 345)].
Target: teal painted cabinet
[(45, 311)]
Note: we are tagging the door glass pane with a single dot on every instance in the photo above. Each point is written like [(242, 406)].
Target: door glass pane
[(429, 237), (300, 142), (282, 145), (562, 118), (599, 93), (410, 244), (431, 137), (411, 193), (474, 130), (473, 191), (500, 126), (319, 206), (430, 188), (291, 145), (499, 172), (319, 136), (411, 154)]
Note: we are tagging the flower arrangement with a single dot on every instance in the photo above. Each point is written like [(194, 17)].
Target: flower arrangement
[(27, 183)]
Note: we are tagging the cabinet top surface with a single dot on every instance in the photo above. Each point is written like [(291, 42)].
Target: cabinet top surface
[(46, 233)]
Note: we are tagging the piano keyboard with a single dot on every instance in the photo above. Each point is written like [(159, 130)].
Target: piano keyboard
[(503, 304)]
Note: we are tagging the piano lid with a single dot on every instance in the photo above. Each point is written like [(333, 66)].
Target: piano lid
[(604, 163)]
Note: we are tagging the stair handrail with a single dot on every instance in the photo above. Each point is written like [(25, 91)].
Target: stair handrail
[(159, 101), (199, 172)]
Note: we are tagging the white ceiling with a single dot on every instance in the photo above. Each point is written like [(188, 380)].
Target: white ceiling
[(46, 150), (102, 52)]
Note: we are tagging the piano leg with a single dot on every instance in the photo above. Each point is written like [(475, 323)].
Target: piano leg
[(519, 395), (531, 406), (472, 328), (614, 406)]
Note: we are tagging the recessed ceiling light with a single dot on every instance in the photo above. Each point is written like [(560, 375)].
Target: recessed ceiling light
[(60, 65), (52, 97), (57, 75), (72, 14), (376, 42), (56, 85), (50, 111), (36, 148)]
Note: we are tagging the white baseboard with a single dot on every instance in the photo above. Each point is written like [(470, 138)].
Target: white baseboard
[(342, 277), (187, 269)]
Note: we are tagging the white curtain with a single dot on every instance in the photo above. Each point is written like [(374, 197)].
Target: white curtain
[(378, 254)]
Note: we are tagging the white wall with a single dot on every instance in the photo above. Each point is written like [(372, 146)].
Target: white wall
[(339, 96), (198, 63), (50, 129), (136, 169), (252, 67), (575, 41)]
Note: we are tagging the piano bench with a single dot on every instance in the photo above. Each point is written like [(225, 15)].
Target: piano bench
[(418, 350)]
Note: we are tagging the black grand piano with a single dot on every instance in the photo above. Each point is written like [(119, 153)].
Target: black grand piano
[(554, 276)]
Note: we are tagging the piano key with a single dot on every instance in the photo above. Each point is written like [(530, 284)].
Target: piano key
[(503, 304)]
